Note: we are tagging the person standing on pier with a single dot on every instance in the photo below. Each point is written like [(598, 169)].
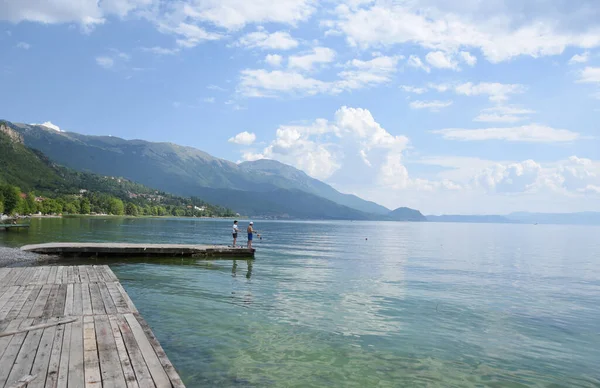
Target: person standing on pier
[(235, 232), (250, 234)]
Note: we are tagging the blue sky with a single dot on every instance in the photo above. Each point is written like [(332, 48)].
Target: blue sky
[(475, 107)]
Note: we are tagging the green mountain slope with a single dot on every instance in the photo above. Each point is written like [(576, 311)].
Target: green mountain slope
[(177, 169), (30, 170)]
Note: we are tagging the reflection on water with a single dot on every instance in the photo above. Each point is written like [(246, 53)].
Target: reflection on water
[(366, 304)]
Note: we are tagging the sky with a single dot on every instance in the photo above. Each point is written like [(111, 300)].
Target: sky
[(470, 107)]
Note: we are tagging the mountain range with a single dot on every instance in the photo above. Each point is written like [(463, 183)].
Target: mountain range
[(260, 188)]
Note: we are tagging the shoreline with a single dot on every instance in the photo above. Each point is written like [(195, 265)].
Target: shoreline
[(15, 257)]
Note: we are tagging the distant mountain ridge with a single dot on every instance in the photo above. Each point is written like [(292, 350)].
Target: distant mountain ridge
[(581, 218), (189, 172)]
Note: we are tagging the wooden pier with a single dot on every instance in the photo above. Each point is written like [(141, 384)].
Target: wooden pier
[(75, 326), (139, 250)]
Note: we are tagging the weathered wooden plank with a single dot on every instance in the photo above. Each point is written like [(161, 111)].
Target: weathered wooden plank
[(3, 273), (12, 309), (76, 376), (42, 358), (54, 361), (128, 372), (65, 352), (7, 280), (90, 355), (44, 274), (97, 303), (160, 353), (8, 294), (70, 275), (110, 365), (52, 276), (154, 365), (38, 306), (59, 306), (86, 300), (35, 291), (34, 275), (59, 271), (128, 300), (76, 278), (144, 378), (77, 303), (109, 304), (4, 341), (83, 275), (49, 307), (20, 275), (69, 300), (117, 297), (11, 353), (111, 275), (92, 275), (23, 381)]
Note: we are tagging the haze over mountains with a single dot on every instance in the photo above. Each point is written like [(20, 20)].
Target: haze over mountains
[(264, 187)]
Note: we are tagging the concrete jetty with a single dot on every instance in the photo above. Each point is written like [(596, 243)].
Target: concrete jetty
[(139, 250), (76, 326)]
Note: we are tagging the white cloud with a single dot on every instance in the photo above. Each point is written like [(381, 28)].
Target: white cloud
[(361, 74), (274, 60), (209, 100), (23, 45), (263, 83), (590, 75), (316, 148), (503, 114), (216, 87), (161, 50), (358, 74), (244, 138), (412, 89), (469, 59), (533, 133), (492, 27), (497, 92), (511, 178), (580, 58), (49, 125), (105, 62), (264, 40), (235, 14), (306, 62), (414, 61), (441, 60), (189, 35), (433, 106)]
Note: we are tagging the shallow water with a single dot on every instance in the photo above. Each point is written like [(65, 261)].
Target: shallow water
[(362, 304)]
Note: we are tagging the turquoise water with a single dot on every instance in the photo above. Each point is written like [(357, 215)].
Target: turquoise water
[(365, 304)]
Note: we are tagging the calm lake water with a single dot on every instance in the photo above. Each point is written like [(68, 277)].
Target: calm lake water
[(365, 304)]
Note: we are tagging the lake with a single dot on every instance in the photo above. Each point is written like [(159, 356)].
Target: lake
[(364, 304)]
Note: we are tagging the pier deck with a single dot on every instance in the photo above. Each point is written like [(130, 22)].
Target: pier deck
[(75, 326), (139, 250)]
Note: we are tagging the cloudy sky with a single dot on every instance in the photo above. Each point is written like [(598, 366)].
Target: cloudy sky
[(445, 106)]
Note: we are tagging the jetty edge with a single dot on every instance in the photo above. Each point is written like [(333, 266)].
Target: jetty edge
[(139, 250), (76, 326)]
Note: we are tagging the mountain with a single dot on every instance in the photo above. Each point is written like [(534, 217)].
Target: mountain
[(285, 176), (406, 214), (583, 218), (484, 219), (190, 172), (30, 170)]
